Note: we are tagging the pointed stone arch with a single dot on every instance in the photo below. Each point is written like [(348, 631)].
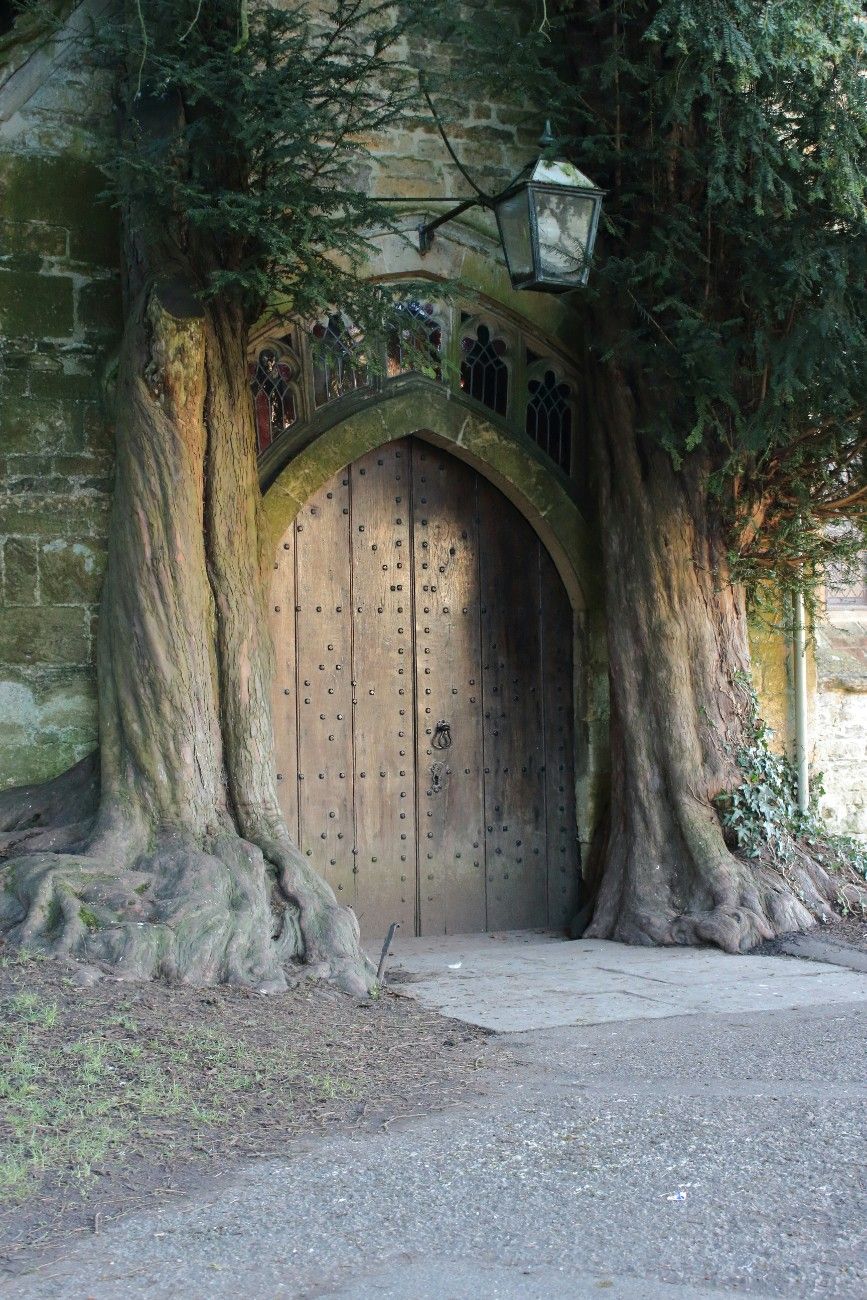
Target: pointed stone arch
[(423, 409)]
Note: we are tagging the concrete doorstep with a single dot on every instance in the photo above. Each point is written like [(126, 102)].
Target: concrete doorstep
[(533, 979)]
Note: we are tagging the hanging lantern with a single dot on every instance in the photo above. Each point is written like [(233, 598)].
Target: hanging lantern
[(548, 221)]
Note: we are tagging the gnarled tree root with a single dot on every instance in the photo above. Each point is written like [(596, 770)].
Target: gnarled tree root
[(195, 914), (734, 909), (56, 816)]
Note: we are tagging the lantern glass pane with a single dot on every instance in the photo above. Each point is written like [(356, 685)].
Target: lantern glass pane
[(564, 223), (513, 215)]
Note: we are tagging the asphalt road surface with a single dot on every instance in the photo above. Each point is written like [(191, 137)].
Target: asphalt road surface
[(691, 1156)]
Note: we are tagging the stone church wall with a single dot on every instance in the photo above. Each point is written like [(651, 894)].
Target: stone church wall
[(840, 723), (59, 328), (58, 306)]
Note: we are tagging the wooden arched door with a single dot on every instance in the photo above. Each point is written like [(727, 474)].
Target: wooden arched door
[(423, 701)]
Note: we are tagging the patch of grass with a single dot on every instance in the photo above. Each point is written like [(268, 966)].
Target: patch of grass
[(328, 1085), (31, 1009), (66, 1104), (19, 957)]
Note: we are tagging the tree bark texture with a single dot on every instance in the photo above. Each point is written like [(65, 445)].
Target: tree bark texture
[(679, 671), (186, 869)]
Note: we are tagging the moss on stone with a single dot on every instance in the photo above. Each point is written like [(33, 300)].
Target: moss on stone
[(44, 636), (63, 191), (20, 573), (71, 572), (47, 720), (44, 515), (99, 307), (37, 237), (57, 385), (30, 426), (34, 304)]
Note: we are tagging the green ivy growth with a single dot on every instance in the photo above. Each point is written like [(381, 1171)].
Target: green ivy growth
[(761, 817)]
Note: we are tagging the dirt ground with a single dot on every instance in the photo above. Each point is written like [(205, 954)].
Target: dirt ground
[(849, 929), (118, 1094)]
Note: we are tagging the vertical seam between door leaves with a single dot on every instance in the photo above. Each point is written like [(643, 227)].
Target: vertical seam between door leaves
[(417, 784)]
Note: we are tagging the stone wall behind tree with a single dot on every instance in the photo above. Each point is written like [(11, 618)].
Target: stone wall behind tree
[(59, 322), (840, 723), (59, 329)]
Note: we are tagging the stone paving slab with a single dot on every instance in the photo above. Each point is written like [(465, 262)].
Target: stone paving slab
[(822, 947), (532, 979)]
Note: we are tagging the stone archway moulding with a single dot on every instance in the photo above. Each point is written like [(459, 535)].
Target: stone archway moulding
[(426, 412)]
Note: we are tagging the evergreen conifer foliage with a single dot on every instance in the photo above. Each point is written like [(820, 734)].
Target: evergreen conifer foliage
[(238, 129)]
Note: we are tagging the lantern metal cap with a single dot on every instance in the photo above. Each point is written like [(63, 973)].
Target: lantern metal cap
[(557, 171)]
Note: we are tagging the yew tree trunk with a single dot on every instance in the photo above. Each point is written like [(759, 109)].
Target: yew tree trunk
[(679, 668), (187, 868)]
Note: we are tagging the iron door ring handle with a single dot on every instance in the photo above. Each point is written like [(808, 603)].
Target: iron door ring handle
[(442, 737)]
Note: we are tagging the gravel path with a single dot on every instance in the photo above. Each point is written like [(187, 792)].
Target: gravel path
[(690, 1157)]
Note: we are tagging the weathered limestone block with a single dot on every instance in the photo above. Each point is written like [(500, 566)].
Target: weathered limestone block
[(71, 572), (49, 635), (39, 237), (20, 571), (31, 303), (47, 722), (840, 754), (840, 724)]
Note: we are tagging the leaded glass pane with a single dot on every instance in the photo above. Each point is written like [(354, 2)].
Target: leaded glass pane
[(549, 418), (846, 586), (273, 399), (339, 365), (484, 373), (416, 343)]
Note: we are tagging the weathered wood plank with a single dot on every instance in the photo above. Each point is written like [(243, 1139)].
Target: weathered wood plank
[(448, 689), (515, 813), (281, 620), (325, 685), (385, 814)]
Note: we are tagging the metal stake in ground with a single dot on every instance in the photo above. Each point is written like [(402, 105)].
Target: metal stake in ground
[(383, 957)]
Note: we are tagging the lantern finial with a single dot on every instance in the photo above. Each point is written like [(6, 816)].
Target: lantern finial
[(547, 140)]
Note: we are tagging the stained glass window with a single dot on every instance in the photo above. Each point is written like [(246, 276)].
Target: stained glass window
[(299, 372), (415, 344), (338, 360), (273, 399), (484, 373), (549, 417)]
